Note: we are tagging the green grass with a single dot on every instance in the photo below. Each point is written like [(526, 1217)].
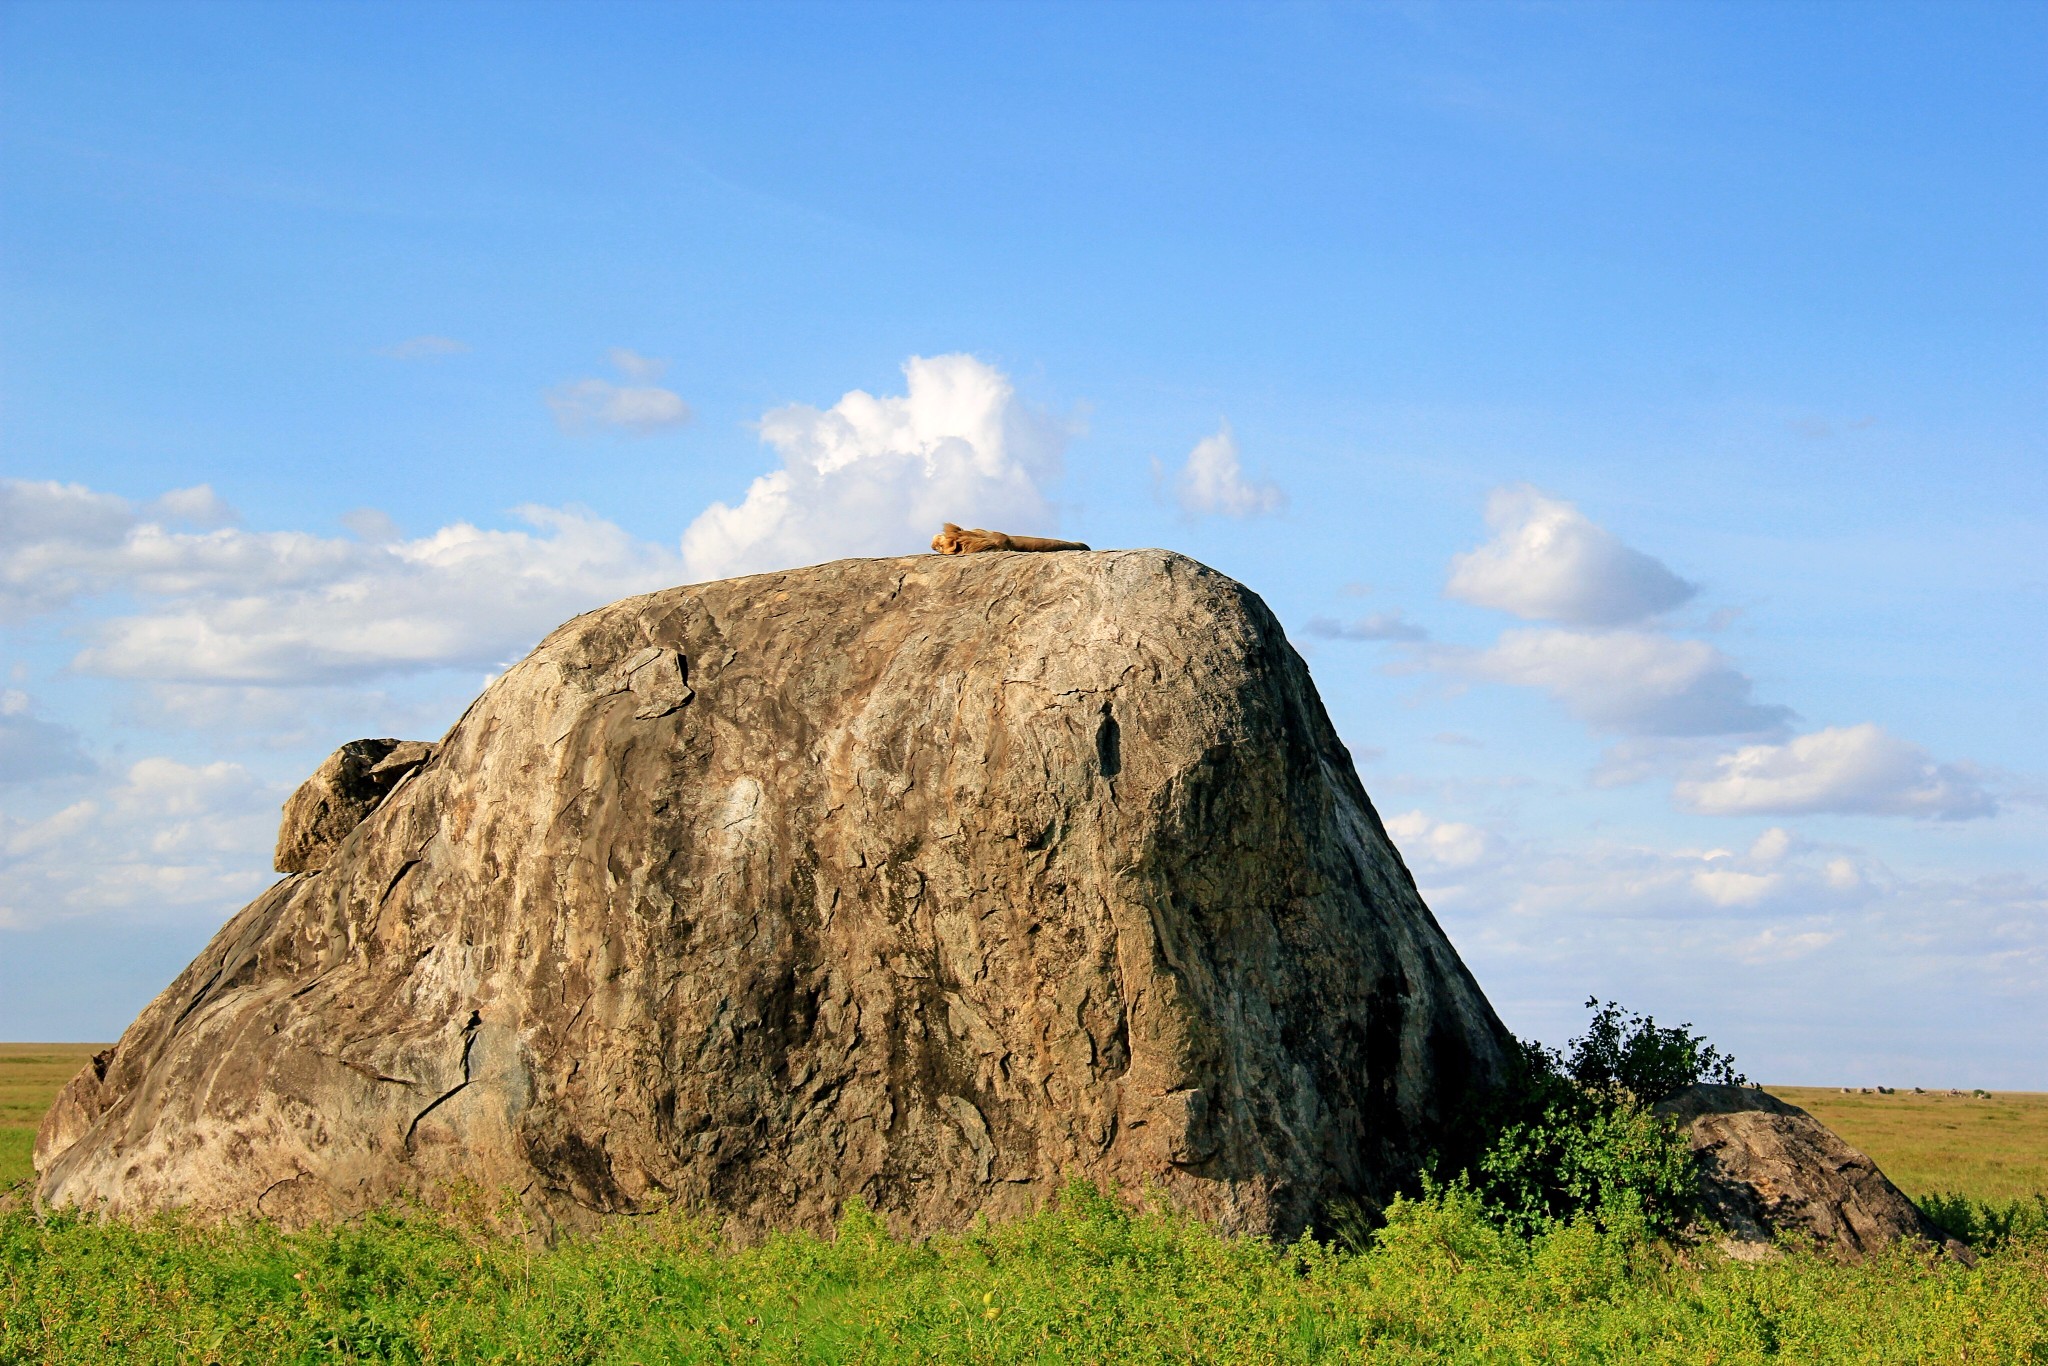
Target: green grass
[(1085, 1281), (1991, 1148), (1088, 1281), (31, 1075)]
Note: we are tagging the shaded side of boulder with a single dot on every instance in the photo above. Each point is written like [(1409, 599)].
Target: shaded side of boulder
[(933, 881), (1768, 1168), (346, 787)]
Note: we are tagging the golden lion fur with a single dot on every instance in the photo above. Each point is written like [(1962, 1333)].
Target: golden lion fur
[(968, 541)]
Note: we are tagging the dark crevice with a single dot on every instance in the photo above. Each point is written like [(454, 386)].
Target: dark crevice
[(199, 997), (269, 1189), (1109, 744), (468, 1043), (365, 1070), (397, 878)]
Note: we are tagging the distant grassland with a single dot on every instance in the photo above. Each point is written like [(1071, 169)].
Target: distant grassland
[(1992, 1150), (31, 1075)]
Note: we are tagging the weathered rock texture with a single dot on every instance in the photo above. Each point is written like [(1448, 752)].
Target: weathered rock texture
[(1767, 1167), (341, 792), (929, 880)]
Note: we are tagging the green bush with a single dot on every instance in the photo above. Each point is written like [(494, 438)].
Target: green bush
[(1628, 1052), (1989, 1223), (1607, 1157), (1571, 1133)]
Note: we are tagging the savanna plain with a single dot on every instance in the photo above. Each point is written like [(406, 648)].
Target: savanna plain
[(1086, 1279)]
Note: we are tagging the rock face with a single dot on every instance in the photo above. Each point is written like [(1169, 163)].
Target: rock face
[(932, 880), (1768, 1167), (341, 792)]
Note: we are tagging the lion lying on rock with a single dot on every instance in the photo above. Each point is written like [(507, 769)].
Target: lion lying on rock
[(955, 541)]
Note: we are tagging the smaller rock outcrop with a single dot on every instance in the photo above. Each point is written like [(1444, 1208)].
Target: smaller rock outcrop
[(1767, 1167), (342, 791)]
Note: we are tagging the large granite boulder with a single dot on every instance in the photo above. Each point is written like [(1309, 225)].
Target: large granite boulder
[(932, 881), (1769, 1169)]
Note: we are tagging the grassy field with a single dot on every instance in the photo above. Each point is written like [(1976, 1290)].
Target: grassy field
[(31, 1075), (1988, 1148), (1086, 1280)]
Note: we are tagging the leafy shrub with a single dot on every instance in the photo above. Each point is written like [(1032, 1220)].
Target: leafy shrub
[(1629, 1052), (1588, 1153), (1571, 1135), (1986, 1224)]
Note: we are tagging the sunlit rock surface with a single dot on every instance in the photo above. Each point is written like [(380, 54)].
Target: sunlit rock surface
[(930, 880)]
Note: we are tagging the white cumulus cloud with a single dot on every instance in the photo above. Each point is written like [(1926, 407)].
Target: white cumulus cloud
[(1548, 562), (879, 475), (163, 836), (1848, 769), (1632, 682), (1732, 887), (288, 607), (1212, 481), (640, 406), (198, 506)]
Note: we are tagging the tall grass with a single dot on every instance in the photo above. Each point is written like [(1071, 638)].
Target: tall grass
[(1989, 1224), (1086, 1280)]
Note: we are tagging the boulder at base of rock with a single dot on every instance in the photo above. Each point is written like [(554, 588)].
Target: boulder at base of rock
[(933, 881), (1769, 1168), (341, 792)]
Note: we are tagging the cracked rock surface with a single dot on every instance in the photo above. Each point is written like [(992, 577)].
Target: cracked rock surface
[(929, 880), (1768, 1168)]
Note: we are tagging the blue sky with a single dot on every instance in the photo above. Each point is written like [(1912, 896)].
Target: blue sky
[(1635, 413)]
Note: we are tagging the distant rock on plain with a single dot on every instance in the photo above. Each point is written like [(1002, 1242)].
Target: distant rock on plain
[(1768, 1169), (932, 881)]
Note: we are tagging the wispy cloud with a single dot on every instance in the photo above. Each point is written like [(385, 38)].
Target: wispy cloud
[(633, 365), (1212, 481), (1738, 935), (1626, 682), (639, 407), (32, 748), (1377, 626), (1441, 845), (159, 837), (291, 608)]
